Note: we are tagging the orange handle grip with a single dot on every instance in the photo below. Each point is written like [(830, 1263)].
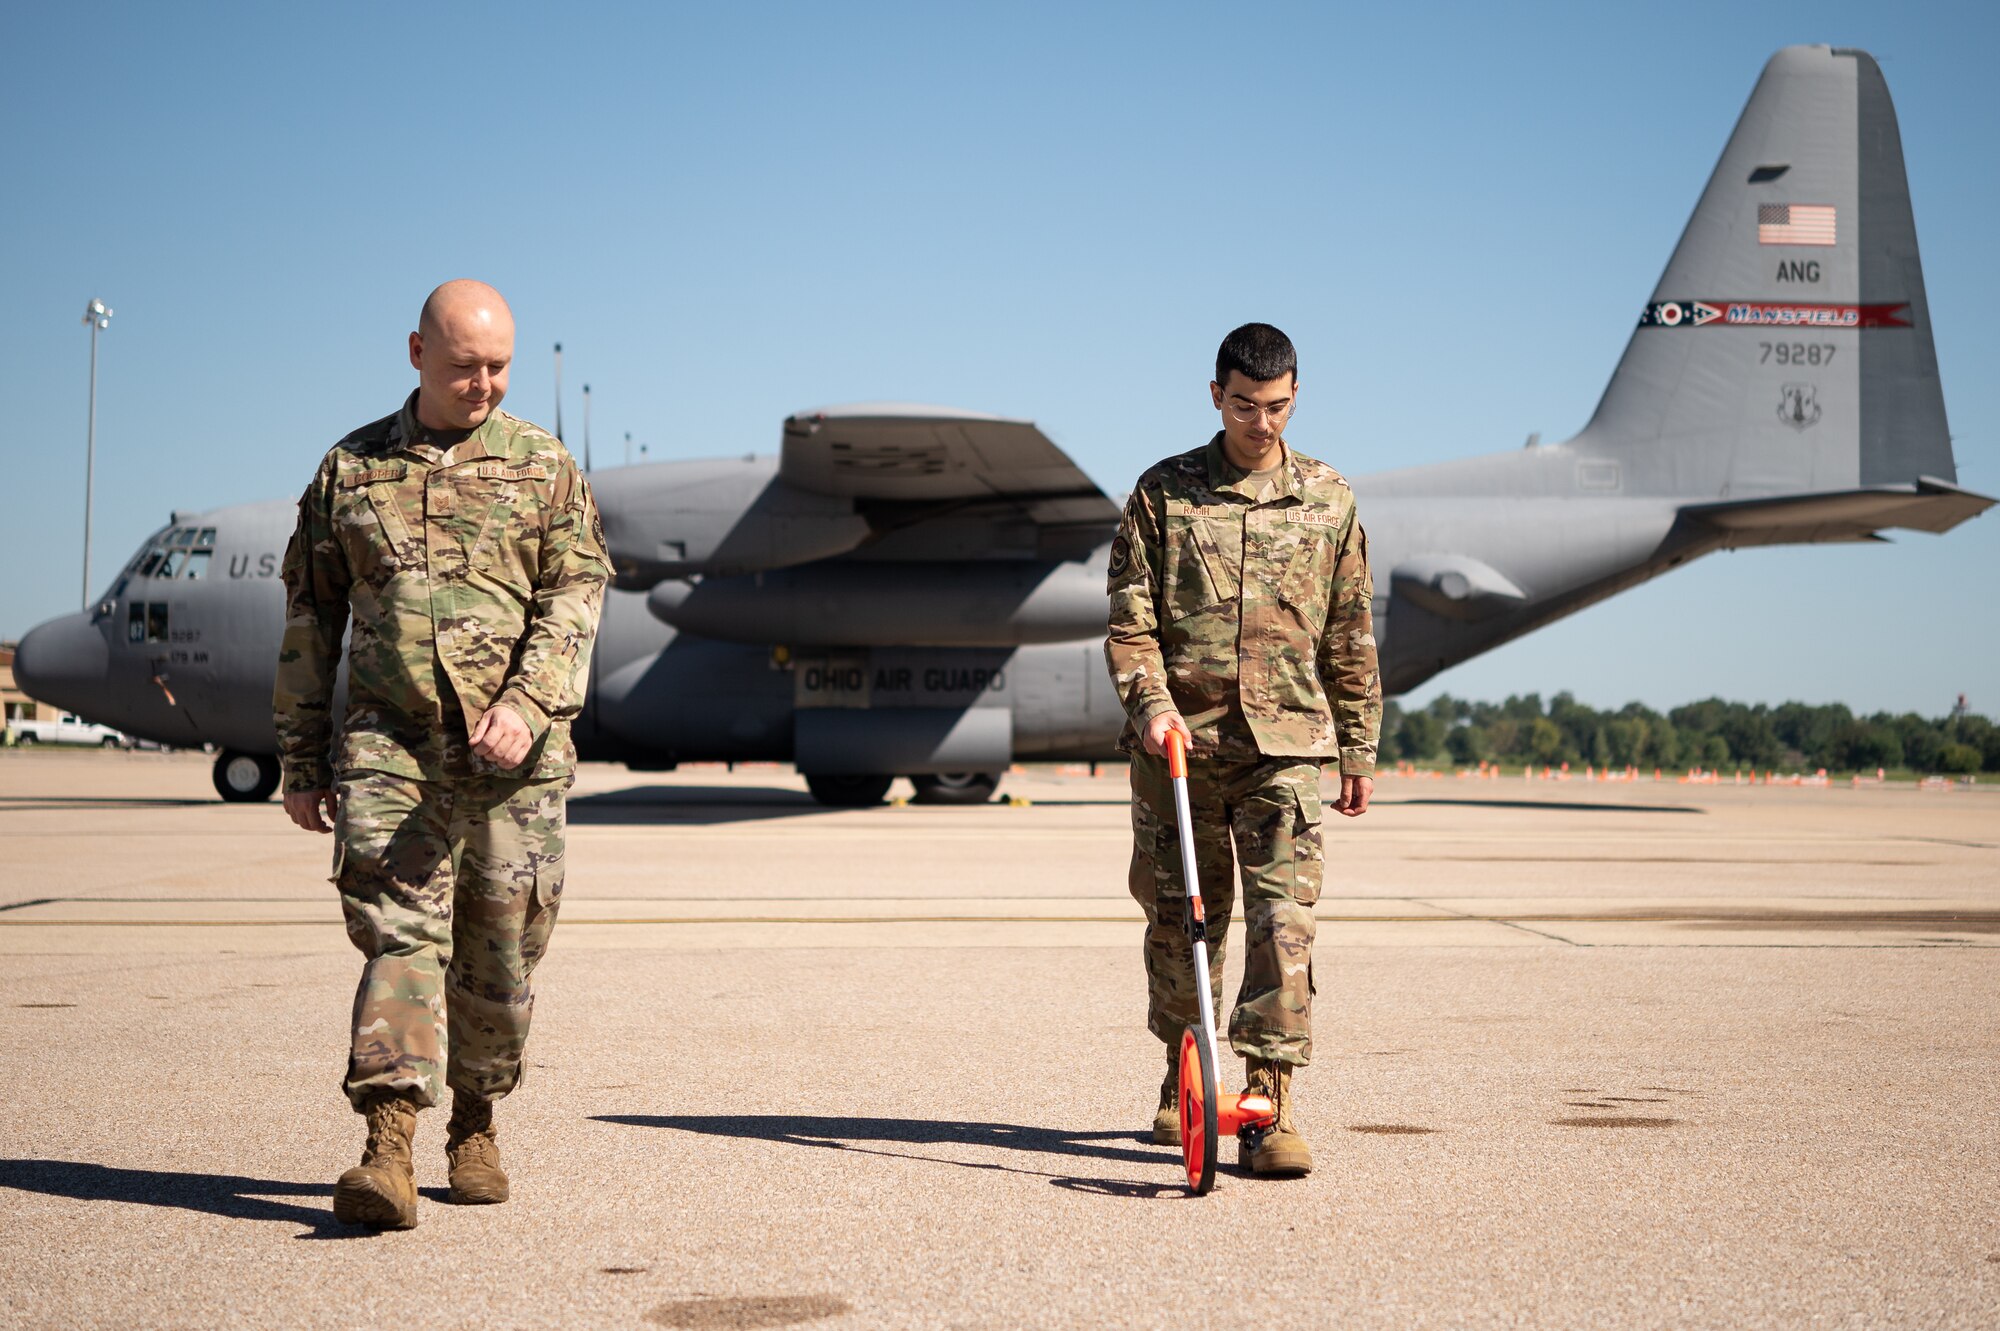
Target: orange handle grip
[(1176, 756)]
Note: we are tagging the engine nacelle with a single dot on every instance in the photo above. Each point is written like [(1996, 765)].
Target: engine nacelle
[(989, 603)]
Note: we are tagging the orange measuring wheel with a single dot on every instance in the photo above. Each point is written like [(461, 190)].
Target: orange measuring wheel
[(1198, 1109), (1206, 1113)]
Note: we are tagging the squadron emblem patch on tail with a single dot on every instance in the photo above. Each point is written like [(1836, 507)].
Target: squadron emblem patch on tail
[(1798, 405)]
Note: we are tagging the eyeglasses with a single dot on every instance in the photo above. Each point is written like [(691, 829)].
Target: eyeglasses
[(1249, 413)]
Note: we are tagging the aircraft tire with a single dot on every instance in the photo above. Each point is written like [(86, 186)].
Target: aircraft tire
[(849, 792), (245, 778), (955, 787)]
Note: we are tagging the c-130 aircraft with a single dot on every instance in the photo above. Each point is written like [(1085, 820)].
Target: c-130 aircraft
[(919, 591)]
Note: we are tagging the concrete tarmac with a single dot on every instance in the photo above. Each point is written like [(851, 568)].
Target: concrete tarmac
[(1633, 1055)]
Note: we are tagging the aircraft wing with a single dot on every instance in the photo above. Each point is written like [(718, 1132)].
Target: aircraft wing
[(940, 459)]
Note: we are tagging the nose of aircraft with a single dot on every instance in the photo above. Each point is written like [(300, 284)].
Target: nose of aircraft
[(64, 662)]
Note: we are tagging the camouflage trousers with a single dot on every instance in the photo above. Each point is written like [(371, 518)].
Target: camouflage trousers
[(450, 890), (1268, 811)]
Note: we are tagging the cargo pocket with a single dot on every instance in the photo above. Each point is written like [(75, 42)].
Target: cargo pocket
[(549, 882), (541, 914), (354, 914), (1308, 865)]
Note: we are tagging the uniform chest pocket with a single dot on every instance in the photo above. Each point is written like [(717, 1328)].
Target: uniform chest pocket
[(1201, 556), (368, 523), (1307, 584), (490, 523)]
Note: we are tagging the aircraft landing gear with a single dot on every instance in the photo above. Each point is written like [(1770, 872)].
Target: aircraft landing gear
[(849, 792), (245, 778), (956, 787)]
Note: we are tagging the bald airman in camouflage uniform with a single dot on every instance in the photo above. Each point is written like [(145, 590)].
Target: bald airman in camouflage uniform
[(1240, 616), (460, 549)]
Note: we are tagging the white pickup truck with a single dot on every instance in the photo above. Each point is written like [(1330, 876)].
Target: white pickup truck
[(65, 729)]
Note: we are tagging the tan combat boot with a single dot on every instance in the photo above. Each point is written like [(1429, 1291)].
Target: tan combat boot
[(1279, 1151), (1167, 1120), (381, 1191), (473, 1149)]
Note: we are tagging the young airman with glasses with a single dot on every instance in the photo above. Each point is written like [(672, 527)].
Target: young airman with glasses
[(1240, 617)]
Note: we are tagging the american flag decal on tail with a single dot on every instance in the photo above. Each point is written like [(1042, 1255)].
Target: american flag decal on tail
[(1795, 224)]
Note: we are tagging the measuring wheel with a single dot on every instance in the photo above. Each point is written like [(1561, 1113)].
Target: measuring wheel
[(1198, 1105)]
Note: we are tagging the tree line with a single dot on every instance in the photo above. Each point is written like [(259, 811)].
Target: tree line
[(1712, 734)]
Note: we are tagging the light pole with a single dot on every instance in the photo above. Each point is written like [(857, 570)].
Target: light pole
[(586, 427), (558, 391), (98, 315), (628, 448)]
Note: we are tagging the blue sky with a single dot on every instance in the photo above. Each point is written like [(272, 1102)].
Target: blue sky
[(728, 213)]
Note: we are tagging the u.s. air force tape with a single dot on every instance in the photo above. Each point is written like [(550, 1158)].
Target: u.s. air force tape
[(526, 471)]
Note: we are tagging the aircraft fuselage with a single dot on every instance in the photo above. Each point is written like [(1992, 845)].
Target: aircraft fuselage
[(187, 660)]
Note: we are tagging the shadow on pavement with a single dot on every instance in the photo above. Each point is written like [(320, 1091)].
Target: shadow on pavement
[(47, 803), (1104, 1187), (671, 805), (225, 1195), (841, 1134), (692, 804), (1552, 806)]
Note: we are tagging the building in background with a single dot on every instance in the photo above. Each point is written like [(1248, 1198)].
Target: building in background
[(14, 704)]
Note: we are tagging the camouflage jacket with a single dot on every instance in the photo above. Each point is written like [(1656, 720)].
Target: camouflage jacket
[(1251, 617), (474, 576)]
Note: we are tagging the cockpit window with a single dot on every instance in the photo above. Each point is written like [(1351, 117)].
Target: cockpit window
[(135, 622), (180, 552)]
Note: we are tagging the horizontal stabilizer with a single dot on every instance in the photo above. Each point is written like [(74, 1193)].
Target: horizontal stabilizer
[(1847, 515)]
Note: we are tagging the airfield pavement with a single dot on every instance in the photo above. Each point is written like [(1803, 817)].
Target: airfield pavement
[(1589, 1055)]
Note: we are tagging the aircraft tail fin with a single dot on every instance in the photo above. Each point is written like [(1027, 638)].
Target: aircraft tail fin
[(1787, 348)]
